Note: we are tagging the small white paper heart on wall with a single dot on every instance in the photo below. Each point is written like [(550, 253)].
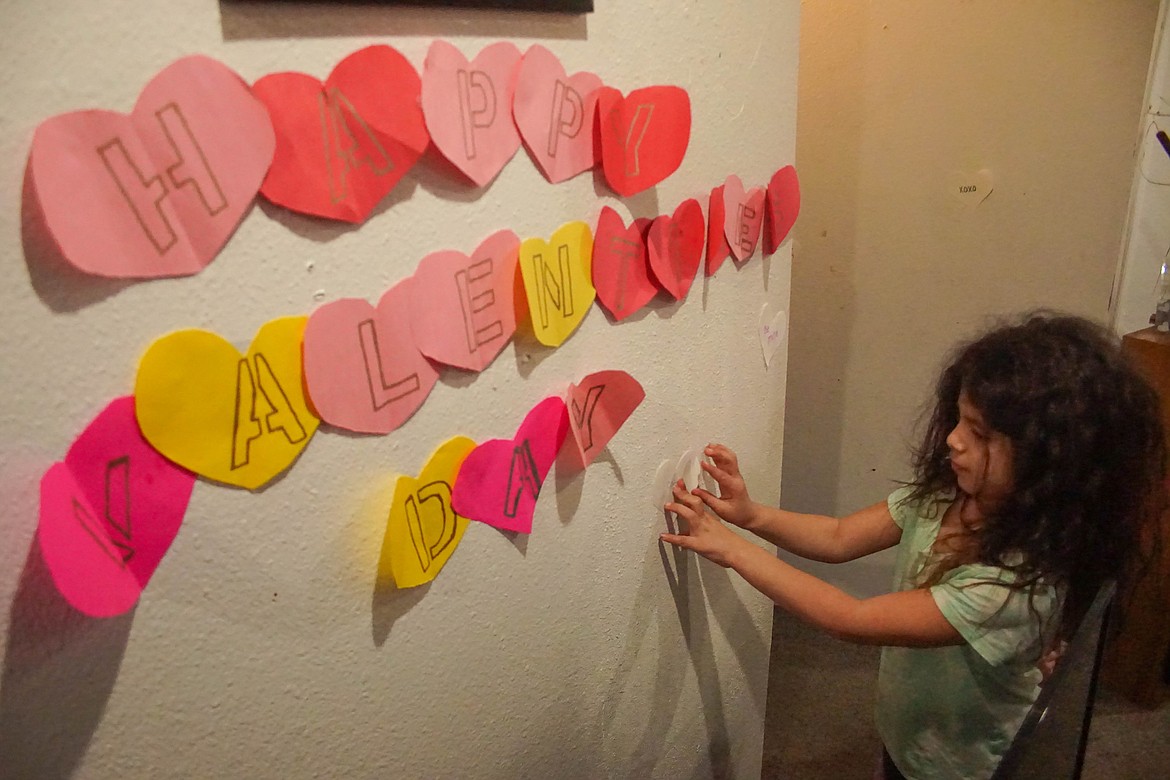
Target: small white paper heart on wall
[(773, 329), (660, 489), (689, 469), (971, 188)]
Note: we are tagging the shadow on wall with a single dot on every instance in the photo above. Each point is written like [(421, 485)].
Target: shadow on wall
[(59, 669), (822, 308)]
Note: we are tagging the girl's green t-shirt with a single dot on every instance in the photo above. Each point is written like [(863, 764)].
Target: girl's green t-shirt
[(951, 712)]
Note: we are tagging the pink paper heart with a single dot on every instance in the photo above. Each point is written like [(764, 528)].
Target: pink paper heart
[(467, 106), (555, 114), (363, 370), (598, 406), (343, 145), (718, 249), (621, 271), (481, 288), (675, 247), (501, 479), (743, 217), (783, 207), (157, 192), (109, 513)]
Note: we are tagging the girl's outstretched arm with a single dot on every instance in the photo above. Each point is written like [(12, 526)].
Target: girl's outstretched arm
[(909, 618), (816, 537)]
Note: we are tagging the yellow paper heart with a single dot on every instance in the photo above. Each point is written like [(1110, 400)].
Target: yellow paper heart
[(558, 281), (237, 419), (423, 529)]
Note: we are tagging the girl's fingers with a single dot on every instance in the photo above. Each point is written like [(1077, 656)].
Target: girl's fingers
[(717, 473), (677, 540)]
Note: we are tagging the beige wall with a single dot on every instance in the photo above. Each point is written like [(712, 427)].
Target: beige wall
[(890, 268)]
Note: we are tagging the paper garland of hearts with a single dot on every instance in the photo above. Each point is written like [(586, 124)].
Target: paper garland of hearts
[(621, 270), (157, 192), (343, 145), (467, 106), (555, 114), (558, 281), (424, 529), (109, 513), (480, 288), (675, 246), (236, 419), (718, 249), (362, 368), (644, 135), (743, 214), (783, 207), (501, 479), (598, 406), (773, 329)]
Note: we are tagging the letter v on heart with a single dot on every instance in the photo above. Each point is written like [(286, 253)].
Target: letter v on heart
[(598, 406)]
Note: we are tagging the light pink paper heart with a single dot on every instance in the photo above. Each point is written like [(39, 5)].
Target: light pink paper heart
[(363, 370), (462, 312), (718, 249), (555, 114), (621, 271), (598, 406), (157, 192), (109, 513), (675, 246), (743, 214), (783, 207), (468, 107), (500, 480)]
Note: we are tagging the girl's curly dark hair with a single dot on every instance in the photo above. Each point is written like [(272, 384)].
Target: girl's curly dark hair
[(1088, 453)]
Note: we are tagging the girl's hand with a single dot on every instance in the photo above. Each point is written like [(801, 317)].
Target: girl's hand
[(704, 533), (733, 503)]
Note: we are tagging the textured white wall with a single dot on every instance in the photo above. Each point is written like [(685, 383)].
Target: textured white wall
[(262, 648)]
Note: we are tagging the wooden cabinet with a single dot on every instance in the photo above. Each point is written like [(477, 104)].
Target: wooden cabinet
[(1136, 660)]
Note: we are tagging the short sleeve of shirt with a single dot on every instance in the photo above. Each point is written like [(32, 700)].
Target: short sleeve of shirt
[(900, 509), (999, 622)]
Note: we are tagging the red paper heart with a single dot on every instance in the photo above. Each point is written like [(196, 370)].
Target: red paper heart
[(598, 406), (676, 248), (362, 368), (500, 480), (109, 513), (718, 249), (743, 214), (556, 114), (621, 273), (341, 146), (468, 107), (783, 207), (480, 288), (157, 192), (644, 135)]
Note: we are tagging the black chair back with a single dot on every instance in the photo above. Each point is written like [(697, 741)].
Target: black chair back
[(1051, 741)]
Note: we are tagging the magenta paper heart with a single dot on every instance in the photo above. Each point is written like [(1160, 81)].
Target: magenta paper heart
[(718, 249), (743, 214), (598, 406), (479, 289), (500, 481), (109, 513), (675, 246), (555, 114), (160, 191), (783, 207), (341, 146), (621, 271), (468, 107), (363, 370)]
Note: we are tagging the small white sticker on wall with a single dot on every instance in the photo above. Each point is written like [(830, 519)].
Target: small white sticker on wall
[(971, 188)]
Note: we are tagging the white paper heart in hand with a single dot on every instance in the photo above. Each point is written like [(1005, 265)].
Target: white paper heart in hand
[(773, 330)]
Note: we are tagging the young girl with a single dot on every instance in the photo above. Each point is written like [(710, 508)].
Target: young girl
[(1041, 460)]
